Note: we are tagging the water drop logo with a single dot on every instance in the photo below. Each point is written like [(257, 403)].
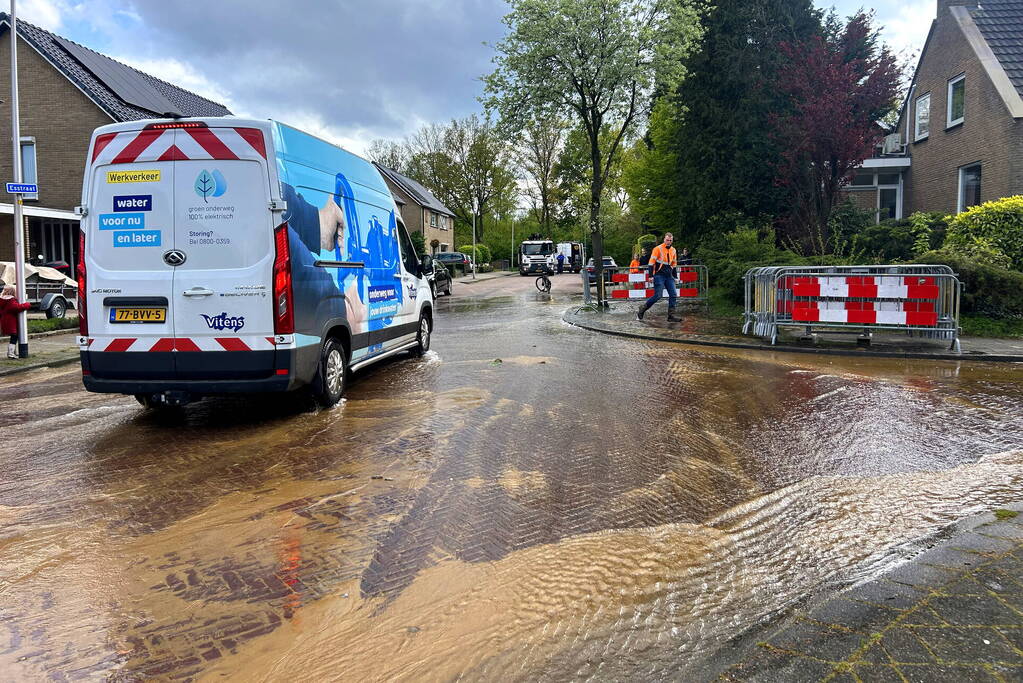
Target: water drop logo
[(210, 184)]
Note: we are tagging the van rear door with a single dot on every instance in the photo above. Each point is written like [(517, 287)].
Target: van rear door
[(223, 224), (130, 225)]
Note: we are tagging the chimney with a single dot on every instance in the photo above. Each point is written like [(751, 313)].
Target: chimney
[(944, 5)]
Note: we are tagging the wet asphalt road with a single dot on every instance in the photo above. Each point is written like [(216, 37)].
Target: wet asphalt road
[(529, 501)]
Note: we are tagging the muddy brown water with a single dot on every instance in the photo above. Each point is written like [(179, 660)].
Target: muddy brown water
[(586, 508)]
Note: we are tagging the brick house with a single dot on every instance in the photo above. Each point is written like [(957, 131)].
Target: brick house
[(65, 92), (421, 211), (959, 140)]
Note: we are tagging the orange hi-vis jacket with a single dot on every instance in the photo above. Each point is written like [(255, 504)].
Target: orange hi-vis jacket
[(663, 256), (635, 265)]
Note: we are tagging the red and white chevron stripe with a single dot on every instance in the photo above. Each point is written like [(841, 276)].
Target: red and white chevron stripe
[(135, 344), (178, 144), (880, 287)]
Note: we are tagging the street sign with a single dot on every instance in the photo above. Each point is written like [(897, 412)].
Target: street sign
[(22, 188)]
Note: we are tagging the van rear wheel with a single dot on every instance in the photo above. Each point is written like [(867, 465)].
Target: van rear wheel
[(333, 373)]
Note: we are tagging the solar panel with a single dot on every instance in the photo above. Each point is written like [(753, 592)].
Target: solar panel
[(125, 82)]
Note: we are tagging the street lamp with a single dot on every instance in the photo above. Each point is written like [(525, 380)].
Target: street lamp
[(475, 256), (19, 219)]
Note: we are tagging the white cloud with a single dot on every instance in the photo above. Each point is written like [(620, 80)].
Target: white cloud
[(47, 14), (906, 26)]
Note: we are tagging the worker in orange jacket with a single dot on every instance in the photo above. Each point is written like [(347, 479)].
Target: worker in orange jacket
[(663, 261)]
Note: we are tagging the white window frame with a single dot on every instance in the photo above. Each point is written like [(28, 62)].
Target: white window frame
[(948, 105), (917, 135), (898, 199), (433, 220), (29, 141), (960, 203)]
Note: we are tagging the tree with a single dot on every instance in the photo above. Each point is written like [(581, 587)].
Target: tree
[(708, 150), (595, 60), (467, 165), (840, 84), (393, 155), (538, 156)]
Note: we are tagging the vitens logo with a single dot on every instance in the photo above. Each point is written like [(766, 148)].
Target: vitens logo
[(210, 184), (224, 322)]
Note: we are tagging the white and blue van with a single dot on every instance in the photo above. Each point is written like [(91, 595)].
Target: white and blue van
[(222, 255)]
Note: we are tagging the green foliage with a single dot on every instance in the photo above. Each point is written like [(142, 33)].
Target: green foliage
[(987, 290), (709, 149), (929, 229), (418, 242), (891, 241), (729, 256), (989, 229), (845, 222), (480, 256), (49, 324), (485, 268)]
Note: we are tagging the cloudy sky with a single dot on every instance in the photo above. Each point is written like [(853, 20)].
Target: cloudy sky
[(348, 70)]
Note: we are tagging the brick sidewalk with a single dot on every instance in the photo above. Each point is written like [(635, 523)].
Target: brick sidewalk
[(953, 613)]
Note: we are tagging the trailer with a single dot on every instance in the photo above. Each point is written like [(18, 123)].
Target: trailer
[(47, 289)]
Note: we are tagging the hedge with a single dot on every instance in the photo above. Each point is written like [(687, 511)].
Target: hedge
[(996, 225), (987, 290)]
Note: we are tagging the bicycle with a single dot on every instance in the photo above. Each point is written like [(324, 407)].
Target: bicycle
[(543, 283)]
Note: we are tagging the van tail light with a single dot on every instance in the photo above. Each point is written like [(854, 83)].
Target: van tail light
[(83, 317), (284, 300)]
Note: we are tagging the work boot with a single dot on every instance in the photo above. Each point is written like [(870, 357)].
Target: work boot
[(672, 318), (12, 350), (640, 312)]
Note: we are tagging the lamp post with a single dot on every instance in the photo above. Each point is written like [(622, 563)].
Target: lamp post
[(19, 220), (475, 256)]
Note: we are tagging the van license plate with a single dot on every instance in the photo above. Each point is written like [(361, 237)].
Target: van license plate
[(138, 315)]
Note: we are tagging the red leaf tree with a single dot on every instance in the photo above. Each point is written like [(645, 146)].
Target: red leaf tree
[(840, 85)]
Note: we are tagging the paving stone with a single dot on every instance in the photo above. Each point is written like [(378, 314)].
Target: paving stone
[(922, 616), (876, 674), (983, 544), (967, 646), (974, 610), (858, 616), (926, 673), (921, 575), (885, 593), (994, 579), (769, 666), (952, 558), (822, 643), (1003, 530), (874, 655), (1014, 636), (902, 645)]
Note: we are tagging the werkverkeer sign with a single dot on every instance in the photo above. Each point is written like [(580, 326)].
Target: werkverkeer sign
[(22, 188)]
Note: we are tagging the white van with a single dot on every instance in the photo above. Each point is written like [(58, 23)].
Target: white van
[(223, 255)]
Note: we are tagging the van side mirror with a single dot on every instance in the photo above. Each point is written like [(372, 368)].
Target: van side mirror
[(426, 264)]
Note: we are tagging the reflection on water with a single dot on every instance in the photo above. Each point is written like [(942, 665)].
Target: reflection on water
[(587, 507)]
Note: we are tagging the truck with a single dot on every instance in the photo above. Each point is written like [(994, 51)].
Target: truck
[(533, 255), (573, 252), (230, 255)]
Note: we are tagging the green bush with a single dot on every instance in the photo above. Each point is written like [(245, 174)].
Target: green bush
[(729, 256), (990, 228), (49, 324), (987, 290), (486, 268), (418, 242), (482, 254), (891, 241)]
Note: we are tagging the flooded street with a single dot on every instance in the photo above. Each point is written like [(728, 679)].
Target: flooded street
[(528, 501)]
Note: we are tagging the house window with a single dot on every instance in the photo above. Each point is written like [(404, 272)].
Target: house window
[(969, 187), (433, 220), (923, 117), (862, 180), (956, 100), (29, 172), (887, 203)]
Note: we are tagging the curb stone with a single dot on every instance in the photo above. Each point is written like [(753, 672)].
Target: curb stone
[(573, 317), (53, 363)]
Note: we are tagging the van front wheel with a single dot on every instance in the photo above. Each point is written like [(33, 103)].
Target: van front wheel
[(330, 382), (423, 338)]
